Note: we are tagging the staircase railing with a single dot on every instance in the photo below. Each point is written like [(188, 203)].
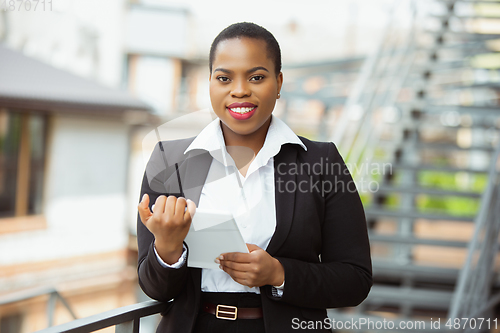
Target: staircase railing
[(53, 294), (472, 296), (125, 319), (364, 89), (472, 291)]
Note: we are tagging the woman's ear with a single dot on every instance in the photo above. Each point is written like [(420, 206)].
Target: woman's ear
[(280, 83)]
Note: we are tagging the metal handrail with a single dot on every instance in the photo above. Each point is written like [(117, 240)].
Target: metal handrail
[(54, 295), (361, 83), (466, 273), (372, 133), (126, 319)]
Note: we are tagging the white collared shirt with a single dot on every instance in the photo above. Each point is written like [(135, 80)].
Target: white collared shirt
[(252, 204)]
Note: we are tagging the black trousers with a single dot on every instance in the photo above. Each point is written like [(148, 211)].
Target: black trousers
[(208, 323)]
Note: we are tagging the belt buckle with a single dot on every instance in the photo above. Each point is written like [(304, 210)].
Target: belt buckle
[(227, 312)]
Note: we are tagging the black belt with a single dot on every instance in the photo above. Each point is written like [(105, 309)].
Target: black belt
[(230, 312)]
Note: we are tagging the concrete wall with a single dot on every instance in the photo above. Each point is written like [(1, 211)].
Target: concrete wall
[(85, 196)]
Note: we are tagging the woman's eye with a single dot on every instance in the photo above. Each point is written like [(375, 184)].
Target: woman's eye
[(257, 78), (222, 78)]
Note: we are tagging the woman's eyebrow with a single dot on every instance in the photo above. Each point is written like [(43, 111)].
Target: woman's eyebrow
[(227, 71), (251, 70)]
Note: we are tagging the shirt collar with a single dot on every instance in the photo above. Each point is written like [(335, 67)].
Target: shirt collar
[(211, 139)]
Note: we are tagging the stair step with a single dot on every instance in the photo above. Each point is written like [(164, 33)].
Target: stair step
[(383, 268), (482, 46), (427, 190), (426, 123), (451, 146), (436, 168), (416, 297), (465, 17), (470, 1), (471, 36), (480, 110), (462, 33), (437, 66), (437, 146), (368, 323), (397, 239), (468, 47), (455, 86), (378, 212)]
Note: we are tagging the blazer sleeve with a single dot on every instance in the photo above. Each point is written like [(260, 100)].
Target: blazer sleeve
[(158, 282), (343, 274)]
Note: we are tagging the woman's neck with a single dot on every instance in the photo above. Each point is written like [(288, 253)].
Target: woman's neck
[(254, 141), (244, 148)]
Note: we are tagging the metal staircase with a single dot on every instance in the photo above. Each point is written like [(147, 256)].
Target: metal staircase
[(436, 134), (421, 128)]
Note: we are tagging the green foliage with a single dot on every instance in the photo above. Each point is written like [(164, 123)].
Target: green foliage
[(451, 205), (451, 181), (366, 198)]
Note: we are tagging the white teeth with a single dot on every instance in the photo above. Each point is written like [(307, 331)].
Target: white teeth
[(242, 110)]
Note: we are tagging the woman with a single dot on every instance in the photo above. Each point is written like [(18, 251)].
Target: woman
[(297, 208)]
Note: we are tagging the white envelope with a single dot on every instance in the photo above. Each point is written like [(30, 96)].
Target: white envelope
[(212, 232)]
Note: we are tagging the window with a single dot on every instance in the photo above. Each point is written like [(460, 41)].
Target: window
[(22, 163), (11, 323)]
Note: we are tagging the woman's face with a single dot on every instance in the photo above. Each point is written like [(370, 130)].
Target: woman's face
[(243, 84)]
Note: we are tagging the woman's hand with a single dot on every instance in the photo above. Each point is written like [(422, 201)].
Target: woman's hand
[(254, 269), (169, 223)]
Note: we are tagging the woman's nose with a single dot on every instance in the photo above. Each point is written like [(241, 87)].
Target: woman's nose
[(240, 89)]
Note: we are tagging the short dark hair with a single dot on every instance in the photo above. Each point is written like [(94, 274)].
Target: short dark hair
[(249, 30)]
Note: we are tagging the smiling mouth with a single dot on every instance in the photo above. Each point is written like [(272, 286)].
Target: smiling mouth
[(242, 110)]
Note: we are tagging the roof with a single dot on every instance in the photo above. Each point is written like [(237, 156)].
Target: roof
[(28, 83)]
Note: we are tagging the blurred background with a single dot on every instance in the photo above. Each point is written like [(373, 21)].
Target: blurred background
[(407, 90)]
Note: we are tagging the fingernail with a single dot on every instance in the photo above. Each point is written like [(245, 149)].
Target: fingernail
[(221, 257), (189, 200), (220, 266), (217, 261), (143, 197)]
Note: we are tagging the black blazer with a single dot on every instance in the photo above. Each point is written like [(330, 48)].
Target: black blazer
[(320, 238)]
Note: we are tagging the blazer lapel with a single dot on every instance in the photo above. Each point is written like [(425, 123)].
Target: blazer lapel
[(284, 162)]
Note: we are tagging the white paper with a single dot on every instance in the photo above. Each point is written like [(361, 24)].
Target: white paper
[(211, 234)]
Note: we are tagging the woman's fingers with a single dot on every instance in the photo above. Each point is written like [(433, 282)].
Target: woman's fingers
[(236, 257), (170, 206), (167, 208), (236, 266), (191, 209), (159, 207), (143, 208), (235, 274), (180, 207), (167, 222), (256, 268), (245, 277)]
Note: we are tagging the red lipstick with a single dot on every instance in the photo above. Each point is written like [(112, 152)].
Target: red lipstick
[(241, 115), (241, 105)]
